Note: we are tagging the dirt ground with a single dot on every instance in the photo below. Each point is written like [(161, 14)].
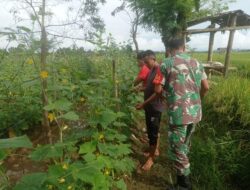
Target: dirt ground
[(159, 177)]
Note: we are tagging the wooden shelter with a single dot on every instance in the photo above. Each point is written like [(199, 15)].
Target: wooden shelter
[(228, 21)]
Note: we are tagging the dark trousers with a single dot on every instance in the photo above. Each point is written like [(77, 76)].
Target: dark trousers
[(153, 119)]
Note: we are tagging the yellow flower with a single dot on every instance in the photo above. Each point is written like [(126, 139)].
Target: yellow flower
[(65, 127), (106, 171), (64, 81), (101, 137), (82, 99), (61, 180), (65, 166), (51, 117), (97, 154), (70, 187), (30, 61), (50, 187), (44, 74)]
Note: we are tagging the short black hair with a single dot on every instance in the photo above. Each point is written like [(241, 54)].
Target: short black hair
[(149, 53), (176, 43), (140, 55)]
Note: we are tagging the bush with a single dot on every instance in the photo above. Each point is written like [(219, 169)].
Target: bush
[(220, 154), (228, 104)]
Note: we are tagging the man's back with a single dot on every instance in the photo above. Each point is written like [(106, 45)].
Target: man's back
[(150, 89), (183, 77)]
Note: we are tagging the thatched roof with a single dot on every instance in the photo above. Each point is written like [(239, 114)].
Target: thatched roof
[(224, 19)]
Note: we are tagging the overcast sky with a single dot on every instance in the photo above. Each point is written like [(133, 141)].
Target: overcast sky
[(119, 27)]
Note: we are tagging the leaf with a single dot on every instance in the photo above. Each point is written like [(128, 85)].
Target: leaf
[(88, 173), (59, 105), (119, 124), (121, 184), (124, 165), (124, 149), (3, 155), (81, 133), (88, 147), (114, 150), (72, 116), (89, 157), (15, 142), (120, 114), (31, 181), (46, 152), (107, 117), (54, 173), (112, 135), (105, 161)]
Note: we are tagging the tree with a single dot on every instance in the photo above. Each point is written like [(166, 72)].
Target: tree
[(169, 18), (42, 33), (134, 20)]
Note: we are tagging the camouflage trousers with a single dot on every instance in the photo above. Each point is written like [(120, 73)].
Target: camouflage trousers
[(179, 145)]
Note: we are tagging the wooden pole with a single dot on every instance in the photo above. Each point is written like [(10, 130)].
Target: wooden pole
[(115, 82), (114, 78), (230, 45), (211, 44), (44, 51)]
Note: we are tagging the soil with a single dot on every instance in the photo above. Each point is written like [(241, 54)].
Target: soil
[(159, 177), (19, 164)]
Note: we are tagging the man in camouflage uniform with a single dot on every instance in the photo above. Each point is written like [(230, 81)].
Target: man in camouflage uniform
[(185, 85)]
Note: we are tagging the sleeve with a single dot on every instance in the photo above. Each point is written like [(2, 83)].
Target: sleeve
[(159, 78), (143, 74), (204, 75)]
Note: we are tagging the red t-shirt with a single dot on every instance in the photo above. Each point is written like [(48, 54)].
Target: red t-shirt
[(158, 77), (143, 74)]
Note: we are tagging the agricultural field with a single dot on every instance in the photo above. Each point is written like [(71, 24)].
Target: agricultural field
[(238, 59), (92, 117), (70, 116)]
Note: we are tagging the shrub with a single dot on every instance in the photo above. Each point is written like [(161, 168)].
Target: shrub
[(220, 154)]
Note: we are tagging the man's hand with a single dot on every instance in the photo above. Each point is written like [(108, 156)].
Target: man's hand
[(139, 106), (204, 88)]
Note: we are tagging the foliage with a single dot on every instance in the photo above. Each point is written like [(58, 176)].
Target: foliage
[(93, 149), (21, 106), (169, 18), (228, 104), (223, 141)]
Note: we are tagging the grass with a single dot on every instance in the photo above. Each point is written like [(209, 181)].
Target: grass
[(241, 60)]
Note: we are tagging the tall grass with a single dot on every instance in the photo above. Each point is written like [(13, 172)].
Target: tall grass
[(220, 154)]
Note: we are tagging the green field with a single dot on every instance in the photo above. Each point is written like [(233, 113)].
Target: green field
[(241, 60), (92, 125)]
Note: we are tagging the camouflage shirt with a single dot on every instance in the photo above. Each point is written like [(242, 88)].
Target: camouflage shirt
[(183, 77)]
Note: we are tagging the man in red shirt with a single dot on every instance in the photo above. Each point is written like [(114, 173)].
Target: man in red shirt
[(143, 73), (152, 105)]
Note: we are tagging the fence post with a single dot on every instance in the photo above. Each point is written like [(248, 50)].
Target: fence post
[(230, 45), (115, 83)]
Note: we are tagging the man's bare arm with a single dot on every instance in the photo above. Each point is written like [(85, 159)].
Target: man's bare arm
[(155, 95), (204, 87), (137, 81)]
